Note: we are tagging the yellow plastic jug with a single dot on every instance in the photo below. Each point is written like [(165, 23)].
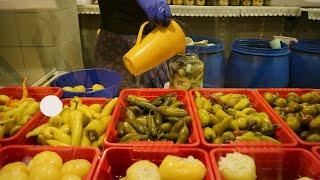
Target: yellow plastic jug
[(155, 48)]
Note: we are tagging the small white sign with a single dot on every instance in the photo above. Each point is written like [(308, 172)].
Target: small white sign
[(51, 106)]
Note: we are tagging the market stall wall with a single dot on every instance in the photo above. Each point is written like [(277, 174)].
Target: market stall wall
[(35, 40), (226, 29)]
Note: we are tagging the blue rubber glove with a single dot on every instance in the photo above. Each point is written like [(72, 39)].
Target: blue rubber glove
[(157, 11)]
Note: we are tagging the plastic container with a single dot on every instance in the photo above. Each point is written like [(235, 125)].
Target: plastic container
[(115, 161), (111, 80), (213, 59), (276, 163), (86, 101), (112, 139), (282, 134), (316, 151), (35, 92), (305, 64), (284, 93), (15, 153), (253, 64)]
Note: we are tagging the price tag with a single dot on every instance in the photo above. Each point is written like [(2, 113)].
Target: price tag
[(51, 106)]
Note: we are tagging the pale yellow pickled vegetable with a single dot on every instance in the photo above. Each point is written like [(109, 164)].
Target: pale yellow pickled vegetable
[(143, 170), (236, 166), (97, 87), (70, 177), (177, 168), (79, 167), (46, 158), (80, 88), (45, 172), (14, 171), (68, 88)]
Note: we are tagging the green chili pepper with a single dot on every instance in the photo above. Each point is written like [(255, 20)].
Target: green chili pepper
[(183, 135), (56, 121), (216, 107), (243, 103), (177, 112), (167, 101), (65, 128), (177, 104), (96, 107), (204, 117), (85, 142), (207, 105), (15, 129), (222, 126), (222, 114), (177, 126), (209, 134), (107, 109), (214, 119), (99, 142), (58, 135), (133, 137)]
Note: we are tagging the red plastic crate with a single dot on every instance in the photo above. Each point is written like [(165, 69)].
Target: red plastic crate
[(282, 134), (116, 160), (316, 151), (111, 139), (45, 119), (284, 93), (14, 153), (274, 163), (35, 92)]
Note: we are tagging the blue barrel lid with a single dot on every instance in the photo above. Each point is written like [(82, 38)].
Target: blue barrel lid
[(258, 47), (310, 46), (216, 46)]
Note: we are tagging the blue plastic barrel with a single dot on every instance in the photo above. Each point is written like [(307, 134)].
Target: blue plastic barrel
[(253, 64), (111, 80), (305, 64), (213, 59)]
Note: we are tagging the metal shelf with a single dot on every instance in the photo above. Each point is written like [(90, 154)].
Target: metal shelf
[(215, 11)]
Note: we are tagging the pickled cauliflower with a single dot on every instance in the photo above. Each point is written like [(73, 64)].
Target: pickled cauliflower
[(176, 168), (236, 166)]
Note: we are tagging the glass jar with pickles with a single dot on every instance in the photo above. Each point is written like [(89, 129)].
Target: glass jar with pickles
[(186, 72), (188, 2), (177, 2), (200, 2), (257, 2)]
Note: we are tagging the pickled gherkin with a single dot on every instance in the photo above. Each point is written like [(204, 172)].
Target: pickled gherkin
[(186, 72)]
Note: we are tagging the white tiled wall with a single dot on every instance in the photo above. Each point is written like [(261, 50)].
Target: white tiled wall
[(33, 42)]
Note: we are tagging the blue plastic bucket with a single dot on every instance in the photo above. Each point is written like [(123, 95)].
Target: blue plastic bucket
[(253, 64), (111, 80), (305, 64), (213, 59)]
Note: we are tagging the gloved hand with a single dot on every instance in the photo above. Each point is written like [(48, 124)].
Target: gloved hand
[(156, 10)]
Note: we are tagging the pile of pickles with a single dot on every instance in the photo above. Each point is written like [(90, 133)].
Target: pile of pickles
[(301, 113), (163, 119), (227, 118)]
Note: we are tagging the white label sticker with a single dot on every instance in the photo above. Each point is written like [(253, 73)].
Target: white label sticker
[(51, 106)]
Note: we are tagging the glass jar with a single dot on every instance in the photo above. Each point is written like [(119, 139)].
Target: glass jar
[(267, 3), (212, 2), (177, 2), (186, 72), (245, 3), (234, 2), (257, 2), (188, 2), (223, 2), (200, 2), (169, 2)]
